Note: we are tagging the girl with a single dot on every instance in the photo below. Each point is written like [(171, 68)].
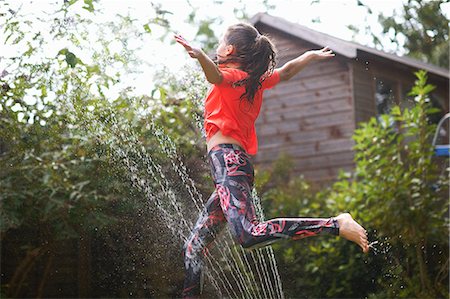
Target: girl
[(246, 67)]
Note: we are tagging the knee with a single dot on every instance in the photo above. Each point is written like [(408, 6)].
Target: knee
[(246, 240), (241, 233)]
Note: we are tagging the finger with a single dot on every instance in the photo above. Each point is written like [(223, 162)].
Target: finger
[(362, 247), (179, 39), (177, 36), (183, 42)]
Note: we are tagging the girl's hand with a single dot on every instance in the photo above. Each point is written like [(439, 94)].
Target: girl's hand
[(323, 53), (193, 52)]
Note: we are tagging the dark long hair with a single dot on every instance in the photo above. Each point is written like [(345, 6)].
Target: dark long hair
[(255, 54)]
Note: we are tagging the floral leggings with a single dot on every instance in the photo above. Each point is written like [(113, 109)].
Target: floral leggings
[(232, 203)]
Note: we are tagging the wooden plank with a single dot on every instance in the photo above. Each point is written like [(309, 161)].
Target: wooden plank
[(300, 137), (278, 128), (367, 110), (303, 95), (307, 123), (294, 110), (335, 145), (366, 102), (277, 99), (362, 82), (364, 94), (327, 120), (316, 80), (367, 107), (307, 150), (315, 85)]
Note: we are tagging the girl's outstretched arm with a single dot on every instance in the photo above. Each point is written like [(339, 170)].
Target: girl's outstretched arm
[(292, 67), (212, 73)]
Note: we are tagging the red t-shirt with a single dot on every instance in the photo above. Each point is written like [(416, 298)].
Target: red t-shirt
[(236, 118)]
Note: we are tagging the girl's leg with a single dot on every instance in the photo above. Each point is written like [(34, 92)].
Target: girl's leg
[(209, 223), (233, 175)]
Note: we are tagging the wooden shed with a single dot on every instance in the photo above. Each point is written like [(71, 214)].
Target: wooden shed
[(312, 117)]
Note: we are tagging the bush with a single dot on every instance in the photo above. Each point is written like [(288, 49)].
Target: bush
[(397, 191)]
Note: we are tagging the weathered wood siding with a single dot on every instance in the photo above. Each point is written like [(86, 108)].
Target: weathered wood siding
[(310, 117), (363, 91), (367, 68)]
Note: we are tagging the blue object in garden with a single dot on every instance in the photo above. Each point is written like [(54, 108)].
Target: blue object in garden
[(441, 150)]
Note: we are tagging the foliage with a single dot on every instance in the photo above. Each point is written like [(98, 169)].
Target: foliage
[(424, 27), (399, 179), (397, 192), (420, 29), (76, 145), (86, 158)]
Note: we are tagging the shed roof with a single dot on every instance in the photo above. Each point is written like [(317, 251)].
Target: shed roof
[(340, 46)]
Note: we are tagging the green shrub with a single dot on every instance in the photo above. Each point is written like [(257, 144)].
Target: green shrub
[(398, 192)]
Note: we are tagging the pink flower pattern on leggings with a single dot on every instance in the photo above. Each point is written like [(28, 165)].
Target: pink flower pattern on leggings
[(224, 195), (232, 204), (234, 160)]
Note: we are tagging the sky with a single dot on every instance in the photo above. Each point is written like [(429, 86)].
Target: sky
[(328, 16)]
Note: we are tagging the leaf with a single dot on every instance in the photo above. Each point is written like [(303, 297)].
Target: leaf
[(147, 28), (396, 111), (89, 5)]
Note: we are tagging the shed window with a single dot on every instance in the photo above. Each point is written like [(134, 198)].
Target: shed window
[(384, 95)]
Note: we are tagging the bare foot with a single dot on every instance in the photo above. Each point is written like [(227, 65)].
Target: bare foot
[(352, 231)]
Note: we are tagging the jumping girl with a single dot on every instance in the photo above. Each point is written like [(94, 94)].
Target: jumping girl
[(245, 68)]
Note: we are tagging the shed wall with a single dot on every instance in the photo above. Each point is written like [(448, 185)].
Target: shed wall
[(309, 117)]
